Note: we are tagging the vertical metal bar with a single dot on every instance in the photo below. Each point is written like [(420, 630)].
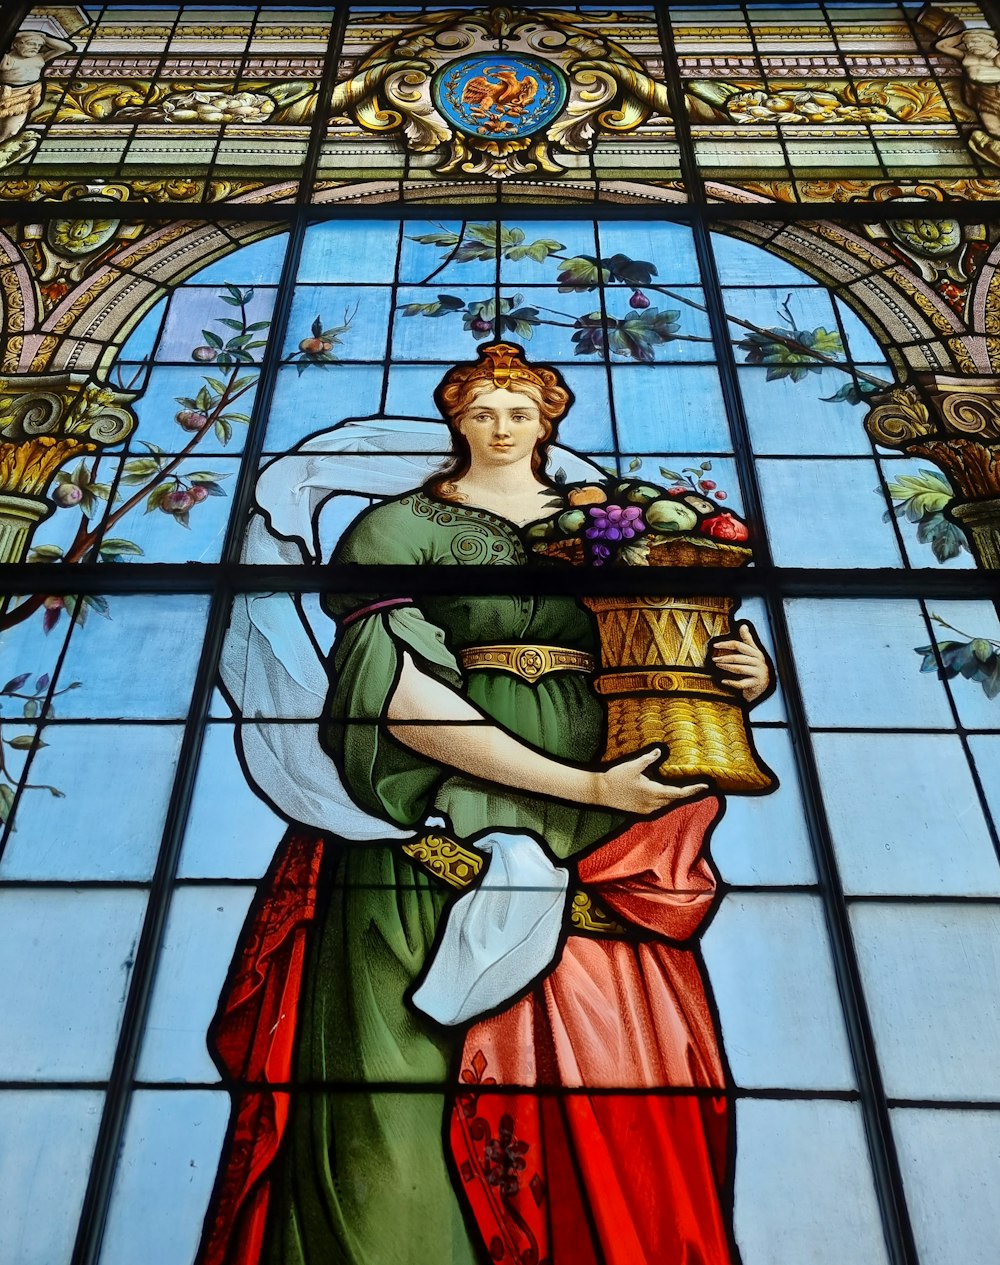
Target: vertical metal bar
[(97, 1199), (875, 1113)]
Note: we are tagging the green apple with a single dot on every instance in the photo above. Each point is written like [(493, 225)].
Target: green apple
[(670, 515)]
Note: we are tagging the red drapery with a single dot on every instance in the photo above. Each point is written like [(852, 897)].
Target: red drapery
[(634, 1177)]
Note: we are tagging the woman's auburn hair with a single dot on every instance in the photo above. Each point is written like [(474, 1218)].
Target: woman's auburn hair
[(457, 392)]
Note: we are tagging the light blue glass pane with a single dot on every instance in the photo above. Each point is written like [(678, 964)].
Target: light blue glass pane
[(137, 663), (48, 1141), (763, 839), (431, 262), (572, 239), (769, 963), (658, 470), (949, 536), (142, 340), (26, 651), (95, 829), (930, 977), (986, 754), (158, 409), (259, 262), (790, 418), (364, 310), (318, 398), (905, 815), (194, 309), (168, 1165), (856, 664), (861, 345), (202, 931), (804, 1189), (587, 425), (826, 514), (972, 620), (679, 407), (336, 516), (670, 247), (810, 308), (193, 532), (230, 832), (744, 263), (356, 251), (411, 390), (65, 963), (950, 1162)]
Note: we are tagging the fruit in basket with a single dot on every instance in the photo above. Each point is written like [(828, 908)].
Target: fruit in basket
[(670, 516), (700, 504), (641, 493), (572, 522), (589, 495), (725, 527)]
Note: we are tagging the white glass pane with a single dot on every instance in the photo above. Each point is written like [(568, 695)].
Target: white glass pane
[(48, 1141), (65, 963), (951, 1173), (905, 815), (202, 931), (930, 974), (168, 1166), (856, 664), (769, 963), (804, 1190)]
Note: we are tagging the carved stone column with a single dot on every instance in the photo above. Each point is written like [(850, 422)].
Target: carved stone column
[(46, 421), (953, 422)]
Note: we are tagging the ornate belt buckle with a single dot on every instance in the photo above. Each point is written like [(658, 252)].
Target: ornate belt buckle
[(530, 662)]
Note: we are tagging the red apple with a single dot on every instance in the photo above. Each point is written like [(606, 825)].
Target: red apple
[(725, 527)]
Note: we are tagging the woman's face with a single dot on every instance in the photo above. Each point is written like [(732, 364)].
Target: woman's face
[(501, 427)]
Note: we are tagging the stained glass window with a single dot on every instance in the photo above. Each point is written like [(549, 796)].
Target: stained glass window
[(499, 644)]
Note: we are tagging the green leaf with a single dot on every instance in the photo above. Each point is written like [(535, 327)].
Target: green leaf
[(240, 341), (212, 339), (851, 393), (946, 539), (671, 474), (231, 323), (22, 742), (582, 272), (30, 709), (442, 238), (204, 400), (156, 496), (228, 298), (243, 418), (223, 430), (217, 385), (632, 272), (245, 381), (117, 545), (45, 553), (205, 476), (187, 401), (139, 469), (634, 464), (254, 326), (97, 603), (6, 802)]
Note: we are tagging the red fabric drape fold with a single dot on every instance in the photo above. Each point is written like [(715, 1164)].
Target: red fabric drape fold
[(607, 1178), (252, 1038)]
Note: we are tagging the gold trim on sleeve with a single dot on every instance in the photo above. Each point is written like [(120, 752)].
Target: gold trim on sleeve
[(527, 662)]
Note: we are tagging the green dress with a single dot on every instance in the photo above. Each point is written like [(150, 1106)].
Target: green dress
[(362, 1177)]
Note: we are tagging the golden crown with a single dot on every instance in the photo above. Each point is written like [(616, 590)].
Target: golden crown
[(502, 364)]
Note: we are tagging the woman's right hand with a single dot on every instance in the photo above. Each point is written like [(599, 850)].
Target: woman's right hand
[(627, 786)]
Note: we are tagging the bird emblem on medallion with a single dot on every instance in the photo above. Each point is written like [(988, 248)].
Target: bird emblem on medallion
[(497, 96)]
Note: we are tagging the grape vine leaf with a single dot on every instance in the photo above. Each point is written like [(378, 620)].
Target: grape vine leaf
[(923, 499), (975, 660)]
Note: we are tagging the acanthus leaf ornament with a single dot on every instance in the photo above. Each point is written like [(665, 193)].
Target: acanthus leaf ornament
[(518, 109)]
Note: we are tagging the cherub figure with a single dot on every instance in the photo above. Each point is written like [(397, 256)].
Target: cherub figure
[(979, 54), (21, 71)]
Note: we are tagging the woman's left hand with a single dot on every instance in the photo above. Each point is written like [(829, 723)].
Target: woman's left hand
[(744, 663)]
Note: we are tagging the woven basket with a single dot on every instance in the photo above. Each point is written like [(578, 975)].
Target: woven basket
[(655, 681)]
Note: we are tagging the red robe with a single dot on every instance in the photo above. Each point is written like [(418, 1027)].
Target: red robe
[(628, 1167)]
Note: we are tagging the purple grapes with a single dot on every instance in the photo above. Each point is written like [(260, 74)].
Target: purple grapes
[(609, 526)]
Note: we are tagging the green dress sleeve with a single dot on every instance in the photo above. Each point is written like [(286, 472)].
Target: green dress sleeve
[(383, 776)]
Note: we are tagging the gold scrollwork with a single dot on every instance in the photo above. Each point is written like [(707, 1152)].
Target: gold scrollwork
[(898, 419)]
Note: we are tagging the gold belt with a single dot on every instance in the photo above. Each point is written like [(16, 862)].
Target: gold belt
[(527, 662), (459, 866)]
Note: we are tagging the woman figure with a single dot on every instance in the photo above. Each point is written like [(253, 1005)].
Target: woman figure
[(430, 714)]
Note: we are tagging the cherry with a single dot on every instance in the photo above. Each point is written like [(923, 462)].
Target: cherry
[(67, 495), (706, 485), (204, 354), (54, 603), (638, 300), (480, 325), (721, 496), (189, 419)]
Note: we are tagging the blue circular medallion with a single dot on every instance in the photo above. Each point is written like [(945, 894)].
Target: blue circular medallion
[(502, 96)]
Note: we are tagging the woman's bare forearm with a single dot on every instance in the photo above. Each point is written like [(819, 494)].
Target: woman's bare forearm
[(465, 739)]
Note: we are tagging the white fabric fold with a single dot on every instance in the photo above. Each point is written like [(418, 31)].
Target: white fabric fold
[(498, 937)]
